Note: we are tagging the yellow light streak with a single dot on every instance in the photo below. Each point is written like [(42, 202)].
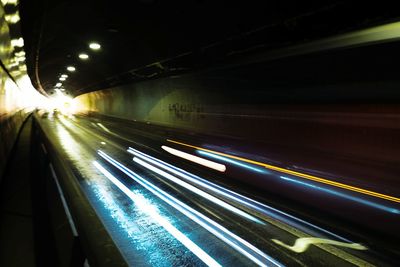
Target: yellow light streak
[(303, 243), (299, 174)]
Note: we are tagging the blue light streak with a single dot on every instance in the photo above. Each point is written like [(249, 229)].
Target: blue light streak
[(151, 210), (346, 196), (243, 200), (236, 242), (235, 162), (197, 191)]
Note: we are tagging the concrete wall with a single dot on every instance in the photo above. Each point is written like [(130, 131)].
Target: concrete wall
[(12, 115), (331, 102), (16, 92)]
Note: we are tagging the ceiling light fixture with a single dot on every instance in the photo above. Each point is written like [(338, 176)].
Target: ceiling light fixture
[(62, 79), (71, 68), (64, 76), (12, 18), (83, 56), (94, 46), (17, 42), (20, 54), (58, 84)]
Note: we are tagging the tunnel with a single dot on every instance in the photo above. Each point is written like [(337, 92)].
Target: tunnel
[(199, 133)]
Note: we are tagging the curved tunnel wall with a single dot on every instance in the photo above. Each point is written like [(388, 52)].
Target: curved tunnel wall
[(336, 103), (11, 118), (16, 91)]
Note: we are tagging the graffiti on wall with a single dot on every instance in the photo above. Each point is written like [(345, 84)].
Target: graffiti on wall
[(186, 112)]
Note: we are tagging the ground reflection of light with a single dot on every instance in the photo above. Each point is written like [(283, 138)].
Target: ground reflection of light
[(236, 242), (151, 210), (117, 213), (137, 225), (197, 191), (235, 162), (342, 195), (67, 141), (103, 127), (238, 198)]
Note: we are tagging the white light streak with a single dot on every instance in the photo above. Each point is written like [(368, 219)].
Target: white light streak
[(236, 242), (243, 200), (205, 162), (141, 202), (103, 127), (197, 191)]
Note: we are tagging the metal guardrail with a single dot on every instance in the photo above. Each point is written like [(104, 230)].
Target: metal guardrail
[(80, 237)]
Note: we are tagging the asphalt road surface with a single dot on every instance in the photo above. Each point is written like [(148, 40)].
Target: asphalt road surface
[(169, 200)]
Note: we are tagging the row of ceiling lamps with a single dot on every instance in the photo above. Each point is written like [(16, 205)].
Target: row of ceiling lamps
[(83, 56)]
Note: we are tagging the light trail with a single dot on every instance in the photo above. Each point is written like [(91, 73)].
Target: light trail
[(197, 191), (238, 198), (302, 244), (152, 211), (298, 174), (342, 195), (235, 162), (205, 162), (103, 127), (236, 242)]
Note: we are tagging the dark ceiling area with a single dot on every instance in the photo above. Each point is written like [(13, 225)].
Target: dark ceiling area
[(147, 39)]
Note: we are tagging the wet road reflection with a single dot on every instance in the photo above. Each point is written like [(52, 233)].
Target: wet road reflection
[(162, 214)]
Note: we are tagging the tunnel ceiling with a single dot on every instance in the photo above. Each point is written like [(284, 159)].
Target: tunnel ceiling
[(148, 39)]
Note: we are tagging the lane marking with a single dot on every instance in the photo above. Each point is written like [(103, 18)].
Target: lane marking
[(302, 244), (299, 174)]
